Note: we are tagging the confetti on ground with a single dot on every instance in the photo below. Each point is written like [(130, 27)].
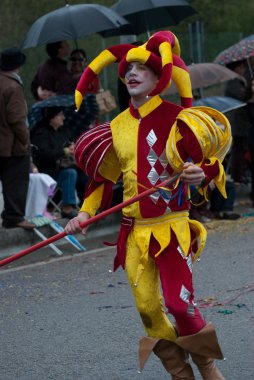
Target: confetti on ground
[(105, 307), (94, 293), (213, 301), (225, 312)]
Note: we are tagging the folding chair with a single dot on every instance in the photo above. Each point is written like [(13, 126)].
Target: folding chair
[(42, 190), (41, 220), (52, 200)]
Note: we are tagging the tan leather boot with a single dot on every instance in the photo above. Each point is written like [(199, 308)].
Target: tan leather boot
[(173, 358), (207, 368), (204, 347)]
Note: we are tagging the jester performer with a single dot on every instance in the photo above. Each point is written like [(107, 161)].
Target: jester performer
[(144, 145)]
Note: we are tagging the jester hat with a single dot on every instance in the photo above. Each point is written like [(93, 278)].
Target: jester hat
[(161, 53)]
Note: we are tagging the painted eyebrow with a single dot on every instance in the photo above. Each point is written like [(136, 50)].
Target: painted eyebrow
[(139, 64)]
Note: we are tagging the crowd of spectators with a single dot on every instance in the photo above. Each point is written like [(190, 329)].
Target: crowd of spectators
[(48, 145), (239, 163)]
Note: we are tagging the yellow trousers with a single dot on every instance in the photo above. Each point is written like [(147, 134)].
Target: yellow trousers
[(147, 294)]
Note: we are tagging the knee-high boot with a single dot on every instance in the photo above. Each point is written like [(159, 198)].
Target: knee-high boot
[(203, 348), (173, 357)]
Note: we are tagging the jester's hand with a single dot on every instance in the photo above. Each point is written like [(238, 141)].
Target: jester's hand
[(73, 226), (192, 174)]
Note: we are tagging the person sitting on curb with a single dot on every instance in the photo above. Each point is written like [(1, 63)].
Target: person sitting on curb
[(54, 156)]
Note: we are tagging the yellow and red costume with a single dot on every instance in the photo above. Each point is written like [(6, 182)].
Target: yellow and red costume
[(144, 146), (134, 146)]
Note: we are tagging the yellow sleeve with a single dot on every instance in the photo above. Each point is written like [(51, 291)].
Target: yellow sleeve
[(110, 170), (211, 129), (110, 167), (219, 180), (92, 203)]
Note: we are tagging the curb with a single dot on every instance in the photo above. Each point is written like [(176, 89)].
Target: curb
[(14, 240)]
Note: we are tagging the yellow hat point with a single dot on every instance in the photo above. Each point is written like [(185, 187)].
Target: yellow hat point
[(78, 99)]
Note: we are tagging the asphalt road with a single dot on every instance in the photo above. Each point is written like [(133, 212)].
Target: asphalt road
[(71, 318)]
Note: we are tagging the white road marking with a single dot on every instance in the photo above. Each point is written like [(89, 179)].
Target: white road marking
[(59, 258)]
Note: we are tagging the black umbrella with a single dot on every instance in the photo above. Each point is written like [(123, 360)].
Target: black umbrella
[(36, 113), (146, 15), (72, 22), (77, 121)]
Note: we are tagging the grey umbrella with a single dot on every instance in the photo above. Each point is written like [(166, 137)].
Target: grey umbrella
[(146, 15), (223, 104), (204, 75), (72, 22)]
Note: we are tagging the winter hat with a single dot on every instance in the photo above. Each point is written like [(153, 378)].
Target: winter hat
[(11, 59)]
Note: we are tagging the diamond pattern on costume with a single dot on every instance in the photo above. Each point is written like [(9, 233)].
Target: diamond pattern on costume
[(185, 297), (155, 196), (185, 294), (163, 160), (153, 176), (188, 258), (151, 138), (159, 170), (191, 309)]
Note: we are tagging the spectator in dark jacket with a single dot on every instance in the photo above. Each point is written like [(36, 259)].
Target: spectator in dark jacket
[(14, 140), (249, 75), (53, 155), (240, 124), (53, 76), (79, 122), (78, 61), (89, 108)]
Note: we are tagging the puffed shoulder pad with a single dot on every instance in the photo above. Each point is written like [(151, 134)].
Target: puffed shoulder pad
[(91, 148), (211, 129)]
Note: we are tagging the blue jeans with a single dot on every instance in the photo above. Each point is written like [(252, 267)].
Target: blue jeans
[(66, 180)]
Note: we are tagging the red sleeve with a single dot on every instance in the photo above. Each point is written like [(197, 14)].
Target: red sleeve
[(211, 171), (190, 150), (188, 147)]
